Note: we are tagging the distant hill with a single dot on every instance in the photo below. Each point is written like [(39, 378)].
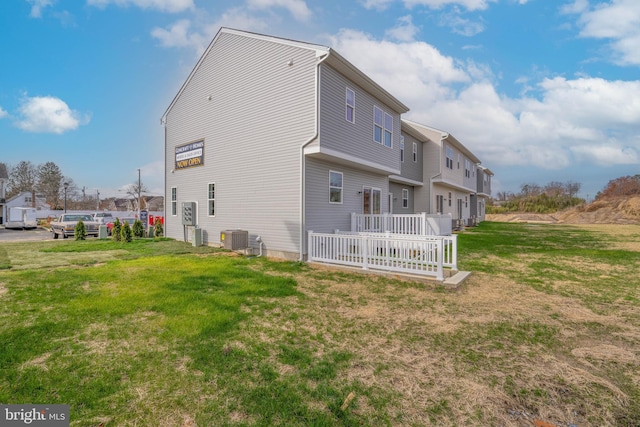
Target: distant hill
[(614, 210)]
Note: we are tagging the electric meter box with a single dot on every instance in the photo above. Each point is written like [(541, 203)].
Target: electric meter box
[(188, 213), (234, 239)]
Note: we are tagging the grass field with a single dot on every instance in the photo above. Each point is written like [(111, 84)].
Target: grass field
[(157, 332)]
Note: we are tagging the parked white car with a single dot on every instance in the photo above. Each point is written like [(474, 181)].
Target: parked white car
[(103, 218)]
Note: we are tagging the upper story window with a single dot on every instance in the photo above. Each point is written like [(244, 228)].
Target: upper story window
[(335, 187), (211, 198), (467, 168), (401, 148), (382, 127), (350, 106), (415, 151), (174, 201), (449, 151)]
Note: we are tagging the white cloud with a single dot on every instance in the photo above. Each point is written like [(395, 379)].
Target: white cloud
[(404, 31), (49, 115), (297, 8), (37, 6), (569, 122), (178, 35), (618, 21), (3, 113), (438, 4), (171, 6), (460, 25)]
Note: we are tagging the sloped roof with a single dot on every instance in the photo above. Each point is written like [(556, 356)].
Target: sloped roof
[(328, 55), (444, 136)]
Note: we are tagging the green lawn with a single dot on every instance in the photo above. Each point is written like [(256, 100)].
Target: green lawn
[(157, 332)]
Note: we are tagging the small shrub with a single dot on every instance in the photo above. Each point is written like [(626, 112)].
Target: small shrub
[(115, 231), (80, 231), (138, 228), (125, 233), (158, 231)]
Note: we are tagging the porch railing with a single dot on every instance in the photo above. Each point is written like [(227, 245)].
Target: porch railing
[(381, 251), (421, 224)]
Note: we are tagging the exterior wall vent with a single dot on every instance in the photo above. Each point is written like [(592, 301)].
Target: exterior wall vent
[(234, 239)]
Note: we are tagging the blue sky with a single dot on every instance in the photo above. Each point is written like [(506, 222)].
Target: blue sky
[(539, 90)]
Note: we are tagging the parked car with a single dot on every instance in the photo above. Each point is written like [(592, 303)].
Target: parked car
[(130, 221), (102, 217), (65, 225)]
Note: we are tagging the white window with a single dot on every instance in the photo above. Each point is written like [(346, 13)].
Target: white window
[(449, 151), (351, 106), (211, 198), (439, 203), (450, 198), (174, 201), (382, 127), (335, 187), (415, 151), (401, 148), (467, 168), (405, 198)]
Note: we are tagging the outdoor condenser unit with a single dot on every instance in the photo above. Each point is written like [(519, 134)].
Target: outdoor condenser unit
[(234, 239)]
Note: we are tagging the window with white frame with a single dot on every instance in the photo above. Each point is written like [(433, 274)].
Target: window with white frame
[(382, 127), (439, 203), (449, 152), (405, 198), (401, 148), (450, 198), (335, 187), (211, 199), (415, 151), (350, 101), (174, 201), (467, 168)]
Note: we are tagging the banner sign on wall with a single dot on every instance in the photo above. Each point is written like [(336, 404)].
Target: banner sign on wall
[(189, 155)]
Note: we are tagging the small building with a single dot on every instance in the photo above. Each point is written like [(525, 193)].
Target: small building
[(4, 179)]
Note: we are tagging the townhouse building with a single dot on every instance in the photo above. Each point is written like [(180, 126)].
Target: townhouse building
[(279, 137)]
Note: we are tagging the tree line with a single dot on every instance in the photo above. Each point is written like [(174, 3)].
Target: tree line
[(48, 181), (557, 196)]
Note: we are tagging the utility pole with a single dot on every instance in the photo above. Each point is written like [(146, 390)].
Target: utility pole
[(97, 199)]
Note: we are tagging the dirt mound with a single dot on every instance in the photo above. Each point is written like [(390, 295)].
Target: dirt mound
[(624, 210)]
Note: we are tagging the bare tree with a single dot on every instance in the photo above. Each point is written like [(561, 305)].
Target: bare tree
[(134, 191)]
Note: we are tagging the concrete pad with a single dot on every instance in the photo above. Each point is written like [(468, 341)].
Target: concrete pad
[(457, 279)]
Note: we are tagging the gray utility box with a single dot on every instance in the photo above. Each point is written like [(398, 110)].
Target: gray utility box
[(234, 239), (196, 236)]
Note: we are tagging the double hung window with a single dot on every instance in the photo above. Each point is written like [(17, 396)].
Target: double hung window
[(382, 127), (350, 112), (211, 199), (335, 187)]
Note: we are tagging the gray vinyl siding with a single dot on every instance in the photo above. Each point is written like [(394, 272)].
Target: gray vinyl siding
[(262, 110), (396, 189), (354, 139), (325, 217), (433, 162), (410, 169)]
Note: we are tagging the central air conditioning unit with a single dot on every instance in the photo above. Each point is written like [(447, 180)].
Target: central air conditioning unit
[(234, 239)]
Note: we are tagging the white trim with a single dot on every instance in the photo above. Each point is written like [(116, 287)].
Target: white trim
[(415, 152), (402, 180), (405, 191)]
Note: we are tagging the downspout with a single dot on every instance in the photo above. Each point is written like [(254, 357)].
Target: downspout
[(303, 162)]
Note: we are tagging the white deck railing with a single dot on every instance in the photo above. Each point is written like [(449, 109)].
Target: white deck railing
[(420, 224), (390, 252)]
